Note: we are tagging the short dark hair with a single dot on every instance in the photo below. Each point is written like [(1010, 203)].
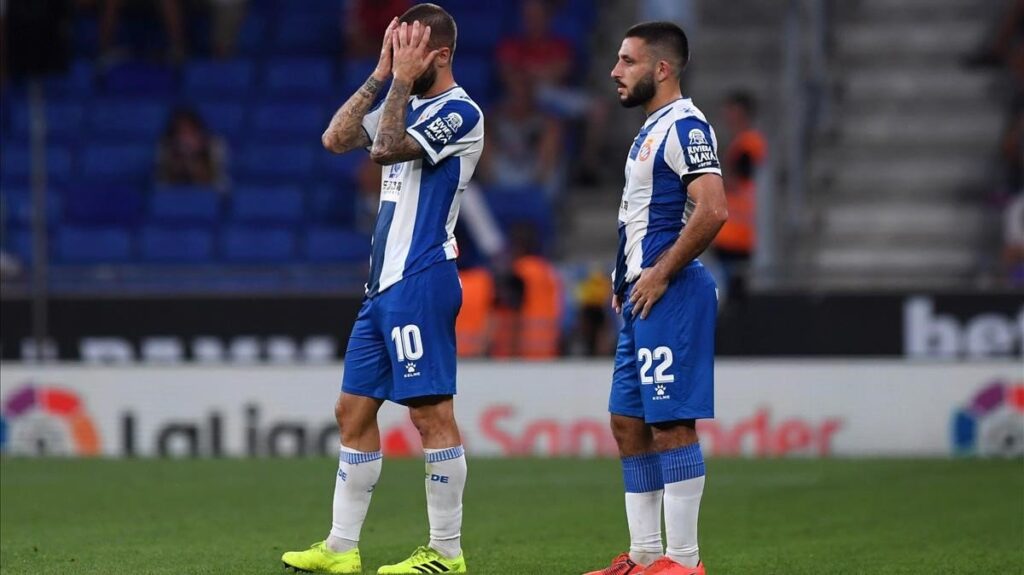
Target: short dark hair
[(665, 36), (443, 31), (744, 99)]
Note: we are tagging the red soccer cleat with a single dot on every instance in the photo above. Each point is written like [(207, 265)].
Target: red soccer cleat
[(666, 566), (621, 565)]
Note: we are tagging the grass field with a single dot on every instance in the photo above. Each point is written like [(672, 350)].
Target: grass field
[(522, 516)]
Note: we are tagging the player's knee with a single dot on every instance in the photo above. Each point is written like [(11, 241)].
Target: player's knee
[(632, 435)]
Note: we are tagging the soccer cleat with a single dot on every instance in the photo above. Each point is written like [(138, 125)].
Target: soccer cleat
[(319, 559), (666, 566), (621, 565), (425, 560)]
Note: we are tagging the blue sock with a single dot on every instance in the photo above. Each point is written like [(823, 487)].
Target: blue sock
[(644, 493), (682, 463), (642, 473), (683, 470)]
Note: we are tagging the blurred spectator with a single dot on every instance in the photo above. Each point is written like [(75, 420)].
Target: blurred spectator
[(593, 326), (472, 327), (547, 62), (524, 144), (365, 24), (744, 156), (227, 16), (528, 306), (170, 11), (1013, 232), (189, 155)]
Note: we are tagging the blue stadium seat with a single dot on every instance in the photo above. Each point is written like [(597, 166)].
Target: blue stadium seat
[(242, 244), (276, 161), (118, 162), (206, 78), (308, 33), (330, 244), (252, 38), (143, 119), (176, 245), (16, 161), (283, 118), (304, 77), (333, 204), (342, 166), (103, 204), (17, 206), (19, 243), (225, 119), (139, 78), (355, 72), (184, 205), (473, 73), (282, 205), (63, 118), (513, 206), (477, 28), (84, 245)]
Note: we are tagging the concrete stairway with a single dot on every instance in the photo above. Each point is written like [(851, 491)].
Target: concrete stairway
[(898, 188), (737, 45)]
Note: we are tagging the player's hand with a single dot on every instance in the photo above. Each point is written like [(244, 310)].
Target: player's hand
[(647, 291), (616, 304), (383, 69), (410, 52)]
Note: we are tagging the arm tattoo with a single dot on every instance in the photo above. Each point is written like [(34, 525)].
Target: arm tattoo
[(345, 131), (392, 144)]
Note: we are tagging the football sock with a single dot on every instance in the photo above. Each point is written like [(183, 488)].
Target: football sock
[(358, 472), (644, 491), (446, 480), (683, 471)]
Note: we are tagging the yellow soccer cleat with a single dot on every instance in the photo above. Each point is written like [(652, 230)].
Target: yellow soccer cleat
[(319, 559), (425, 560)]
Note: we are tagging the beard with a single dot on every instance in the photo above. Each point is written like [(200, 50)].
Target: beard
[(422, 84), (640, 94)]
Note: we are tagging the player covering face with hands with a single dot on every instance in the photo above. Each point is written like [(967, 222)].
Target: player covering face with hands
[(427, 134), (673, 204)]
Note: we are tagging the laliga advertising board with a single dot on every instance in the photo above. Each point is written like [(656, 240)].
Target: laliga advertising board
[(765, 408)]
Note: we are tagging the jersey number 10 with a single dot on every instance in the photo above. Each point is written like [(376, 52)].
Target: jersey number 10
[(408, 343)]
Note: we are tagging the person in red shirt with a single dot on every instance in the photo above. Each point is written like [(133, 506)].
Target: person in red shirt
[(543, 57)]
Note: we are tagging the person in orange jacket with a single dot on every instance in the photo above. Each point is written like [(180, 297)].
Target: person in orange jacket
[(744, 157)]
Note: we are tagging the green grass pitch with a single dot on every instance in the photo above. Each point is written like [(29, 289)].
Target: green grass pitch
[(526, 516)]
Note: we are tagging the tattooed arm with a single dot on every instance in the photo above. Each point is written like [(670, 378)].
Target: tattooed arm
[(345, 131), (412, 56), (393, 144)]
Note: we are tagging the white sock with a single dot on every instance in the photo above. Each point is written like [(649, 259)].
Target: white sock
[(682, 505), (446, 480), (358, 472), (643, 513)]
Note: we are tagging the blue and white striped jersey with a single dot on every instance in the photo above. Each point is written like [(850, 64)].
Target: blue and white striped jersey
[(419, 199), (676, 141)]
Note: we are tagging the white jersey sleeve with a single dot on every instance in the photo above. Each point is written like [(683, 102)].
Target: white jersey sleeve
[(371, 120), (452, 128), (691, 148)]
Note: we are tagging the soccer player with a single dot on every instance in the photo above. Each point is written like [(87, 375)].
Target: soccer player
[(428, 135), (672, 206)]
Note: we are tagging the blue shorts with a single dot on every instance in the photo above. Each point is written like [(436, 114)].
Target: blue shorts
[(665, 364), (403, 342)]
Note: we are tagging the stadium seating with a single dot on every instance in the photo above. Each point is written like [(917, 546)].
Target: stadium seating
[(276, 205), (288, 199), (331, 244), (87, 245), (186, 205), (257, 245), (176, 245)]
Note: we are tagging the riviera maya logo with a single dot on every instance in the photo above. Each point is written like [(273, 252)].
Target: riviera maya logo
[(992, 422), (44, 420)]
